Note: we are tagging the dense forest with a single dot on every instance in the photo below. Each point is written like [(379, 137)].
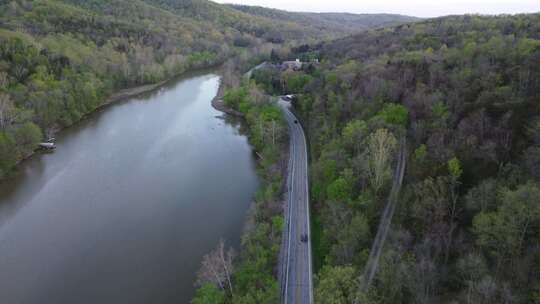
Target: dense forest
[(464, 91), (60, 59)]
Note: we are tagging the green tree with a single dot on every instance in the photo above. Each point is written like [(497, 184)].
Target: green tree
[(208, 294), (352, 240), (454, 168), (336, 285), (295, 82), (27, 137), (339, 190), (8, 153), (395, 114), (504, 232), (354, 135)]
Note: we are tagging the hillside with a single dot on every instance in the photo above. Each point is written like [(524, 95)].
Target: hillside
[(60, 59), (464, 93), (335, 22)]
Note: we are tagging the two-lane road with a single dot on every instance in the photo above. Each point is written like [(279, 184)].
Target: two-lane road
[(296, 273)]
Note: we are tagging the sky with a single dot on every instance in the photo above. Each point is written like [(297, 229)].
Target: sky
[(419, 8)]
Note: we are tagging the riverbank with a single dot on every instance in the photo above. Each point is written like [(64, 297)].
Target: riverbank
[(119, 169), (115, 97), (132, 92), (256, 270), (219, 104)]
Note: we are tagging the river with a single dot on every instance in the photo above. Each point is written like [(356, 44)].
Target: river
[(125, 208)]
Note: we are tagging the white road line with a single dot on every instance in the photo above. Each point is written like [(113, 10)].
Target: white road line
[(292, 162)]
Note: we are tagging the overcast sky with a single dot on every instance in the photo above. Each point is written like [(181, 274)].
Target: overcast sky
[(419, 8)]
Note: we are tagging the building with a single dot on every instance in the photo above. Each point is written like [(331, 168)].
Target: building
[(291, 65)]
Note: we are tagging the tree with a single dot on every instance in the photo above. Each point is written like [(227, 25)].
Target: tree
[(351, 239), (430, 209), (482, 197), (471, 269), (217, 268), (336, 285), (354, 135), (381, 145), (339, 190), (208, 294), (504, 232), (8, 153), (274, 56), (454, 167), (27, 137), (7, 110), (395, 114)]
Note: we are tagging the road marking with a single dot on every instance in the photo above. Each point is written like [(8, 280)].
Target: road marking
[(289, 207), (296, 129)]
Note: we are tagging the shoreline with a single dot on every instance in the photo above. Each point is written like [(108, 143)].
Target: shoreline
[(115, 97), (131, 92), (218, 104)]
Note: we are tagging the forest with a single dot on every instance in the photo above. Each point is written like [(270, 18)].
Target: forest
[(464, 91), (61, 59)]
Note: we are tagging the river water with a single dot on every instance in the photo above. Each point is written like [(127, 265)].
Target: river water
[(125, 208)]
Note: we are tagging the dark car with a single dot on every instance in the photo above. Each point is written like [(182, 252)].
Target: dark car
[(304, 238), (295, 121)]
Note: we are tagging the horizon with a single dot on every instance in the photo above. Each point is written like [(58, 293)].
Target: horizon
[(415, 8)]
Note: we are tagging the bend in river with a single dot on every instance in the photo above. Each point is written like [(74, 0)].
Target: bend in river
[(129, 203)]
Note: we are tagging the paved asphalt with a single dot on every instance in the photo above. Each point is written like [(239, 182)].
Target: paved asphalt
[(296, 273)]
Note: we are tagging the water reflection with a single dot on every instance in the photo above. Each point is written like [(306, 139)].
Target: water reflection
[(125, 208)]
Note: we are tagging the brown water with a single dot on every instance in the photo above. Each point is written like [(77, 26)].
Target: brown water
[(125, 208)]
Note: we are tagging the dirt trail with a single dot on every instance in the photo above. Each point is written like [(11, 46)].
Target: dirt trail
[(386, 219)]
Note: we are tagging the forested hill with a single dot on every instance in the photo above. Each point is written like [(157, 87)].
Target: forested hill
[(345, 22), (60, 59), (465, 93)]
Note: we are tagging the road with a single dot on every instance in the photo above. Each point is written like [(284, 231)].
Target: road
[(260, 66), (296, 265)]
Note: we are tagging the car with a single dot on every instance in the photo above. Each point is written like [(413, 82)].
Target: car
[(295, 121), (304, 238)]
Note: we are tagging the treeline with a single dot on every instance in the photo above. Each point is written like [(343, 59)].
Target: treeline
[(59, 62), (335, 22), (251, 277), (465, 92), (61, 59)]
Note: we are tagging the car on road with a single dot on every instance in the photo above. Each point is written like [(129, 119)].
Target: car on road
[(304, 238), (295, 121)]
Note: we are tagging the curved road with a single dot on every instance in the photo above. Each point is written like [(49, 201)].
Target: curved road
[(295, 272)]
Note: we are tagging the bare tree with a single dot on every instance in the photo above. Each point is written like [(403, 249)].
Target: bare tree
[(381, 144), (217, 268)]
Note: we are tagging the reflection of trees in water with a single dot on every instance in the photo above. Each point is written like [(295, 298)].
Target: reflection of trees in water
[(238, 123), (12, 197)]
